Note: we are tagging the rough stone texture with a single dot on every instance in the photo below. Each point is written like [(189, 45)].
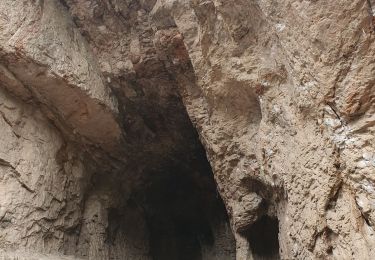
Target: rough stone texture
[(96, 102), (282, 95), (42, 180), (41, 47)]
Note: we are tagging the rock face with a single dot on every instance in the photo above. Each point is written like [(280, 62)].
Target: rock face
[(175, 129)]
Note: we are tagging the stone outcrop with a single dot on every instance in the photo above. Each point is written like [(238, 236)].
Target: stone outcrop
[(45, 57), (175, 129)]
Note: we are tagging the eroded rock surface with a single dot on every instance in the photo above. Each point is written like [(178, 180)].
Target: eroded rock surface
[(102, 103)]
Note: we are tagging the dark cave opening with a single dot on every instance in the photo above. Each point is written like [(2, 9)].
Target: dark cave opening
[(185, 216), (263, 238), (184, 213), (175, 220), (176, 213)]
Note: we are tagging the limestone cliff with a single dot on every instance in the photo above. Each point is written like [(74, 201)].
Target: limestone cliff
[(171, 129)]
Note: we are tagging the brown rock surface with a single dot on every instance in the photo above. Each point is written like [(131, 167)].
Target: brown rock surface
[(104, 105)]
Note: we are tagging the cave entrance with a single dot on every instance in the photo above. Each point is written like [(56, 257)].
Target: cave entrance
[(185, 215), (263, 238)]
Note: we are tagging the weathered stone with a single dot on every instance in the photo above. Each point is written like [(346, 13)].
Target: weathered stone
[(100, 100), (43, 50)]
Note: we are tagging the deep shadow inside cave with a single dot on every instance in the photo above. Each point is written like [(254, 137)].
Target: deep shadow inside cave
[(178, 211), (263, 238), (185, 216)]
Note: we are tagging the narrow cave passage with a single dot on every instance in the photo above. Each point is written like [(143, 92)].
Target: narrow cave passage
[(263, 238), (185, 216), (185, 221), (176, 214)]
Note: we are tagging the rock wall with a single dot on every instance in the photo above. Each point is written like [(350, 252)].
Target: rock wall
[(42, 180), (282, 96), (101, 102)]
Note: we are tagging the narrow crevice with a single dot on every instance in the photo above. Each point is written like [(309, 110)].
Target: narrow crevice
[(263, 238)]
